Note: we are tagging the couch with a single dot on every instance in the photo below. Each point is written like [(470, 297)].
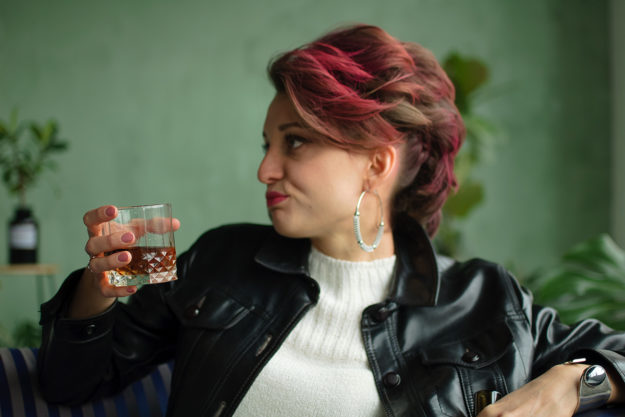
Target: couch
[(19, 393)]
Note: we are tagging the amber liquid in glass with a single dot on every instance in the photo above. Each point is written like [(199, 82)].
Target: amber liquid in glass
[(149, 265)]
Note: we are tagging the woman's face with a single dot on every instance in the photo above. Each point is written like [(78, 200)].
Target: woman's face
[(312, 187)]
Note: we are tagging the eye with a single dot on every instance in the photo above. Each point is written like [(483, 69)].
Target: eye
[(295, 141), (265, 147)]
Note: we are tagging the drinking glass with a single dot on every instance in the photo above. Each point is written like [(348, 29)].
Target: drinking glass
[(153, 253)]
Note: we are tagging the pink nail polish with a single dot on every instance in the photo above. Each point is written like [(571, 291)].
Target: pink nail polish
[(123, 257), (110, 211), (131, 290), (127, 237)]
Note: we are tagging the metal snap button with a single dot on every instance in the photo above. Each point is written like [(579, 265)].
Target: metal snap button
[(381, 314), (391, 379), (89, 329), (192, 312), (470, 356)]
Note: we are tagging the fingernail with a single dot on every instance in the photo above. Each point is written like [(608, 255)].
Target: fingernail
[(109, 211), (123, 257), (127, 237), (131, 290)]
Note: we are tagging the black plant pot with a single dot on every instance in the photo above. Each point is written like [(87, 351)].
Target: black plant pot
[(23, 237)]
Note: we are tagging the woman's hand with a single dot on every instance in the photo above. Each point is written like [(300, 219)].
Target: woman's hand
[(553, 394), (94, 293)]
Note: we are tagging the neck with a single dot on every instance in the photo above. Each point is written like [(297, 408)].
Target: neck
[(346, 248)]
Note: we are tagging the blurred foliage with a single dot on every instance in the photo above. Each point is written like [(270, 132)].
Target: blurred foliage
[(468, 75), (589, 281), (25, 151), (26, 333)]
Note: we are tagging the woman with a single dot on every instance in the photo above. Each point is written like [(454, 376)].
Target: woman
[(342, 307)]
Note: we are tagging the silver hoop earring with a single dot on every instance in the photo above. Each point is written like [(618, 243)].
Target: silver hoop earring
[(378, 237)]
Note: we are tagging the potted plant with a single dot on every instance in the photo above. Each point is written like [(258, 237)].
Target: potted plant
[(26, 149), (468, 75), (588, 281)]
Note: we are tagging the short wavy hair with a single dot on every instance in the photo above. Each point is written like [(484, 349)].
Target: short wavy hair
[(361, 88)]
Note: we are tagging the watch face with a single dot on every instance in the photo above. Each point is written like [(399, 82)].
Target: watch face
[(594, 375), (594, 388)]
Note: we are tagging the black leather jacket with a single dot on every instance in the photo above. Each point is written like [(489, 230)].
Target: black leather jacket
[(446, 331)]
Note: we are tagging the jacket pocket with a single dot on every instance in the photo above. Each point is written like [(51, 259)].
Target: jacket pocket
[(464, 367), (209, 320), (213, 310)]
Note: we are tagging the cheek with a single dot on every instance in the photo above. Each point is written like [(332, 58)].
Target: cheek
[(331, 181)]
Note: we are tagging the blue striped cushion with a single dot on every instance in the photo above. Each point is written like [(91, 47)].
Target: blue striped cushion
[(20, 397)]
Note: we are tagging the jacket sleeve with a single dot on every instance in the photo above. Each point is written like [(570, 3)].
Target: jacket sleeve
[(83, 359), (556, 342)]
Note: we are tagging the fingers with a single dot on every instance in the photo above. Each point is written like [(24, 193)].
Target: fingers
[(93, 219), (163, 225), (156, 225), (98, 267), (101, 264), (107, 290), (109, 243)]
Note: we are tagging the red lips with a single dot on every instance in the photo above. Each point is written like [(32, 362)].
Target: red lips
[(274, 197)]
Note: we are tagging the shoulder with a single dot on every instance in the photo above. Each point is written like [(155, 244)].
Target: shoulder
[(240, 238), (231, 243), (240, 232), (489, 279), (221, 252)]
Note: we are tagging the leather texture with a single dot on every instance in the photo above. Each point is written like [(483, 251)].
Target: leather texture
[(446, 331)]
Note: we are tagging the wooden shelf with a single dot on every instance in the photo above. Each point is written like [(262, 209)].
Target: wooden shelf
[(29, 269)]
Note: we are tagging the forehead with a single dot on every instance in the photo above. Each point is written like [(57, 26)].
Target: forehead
[(280, 112)]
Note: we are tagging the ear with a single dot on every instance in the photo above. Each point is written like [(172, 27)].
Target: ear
[(383, 166)]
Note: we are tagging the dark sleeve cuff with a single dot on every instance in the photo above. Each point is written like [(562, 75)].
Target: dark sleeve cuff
[(608, 359), (54, 313)]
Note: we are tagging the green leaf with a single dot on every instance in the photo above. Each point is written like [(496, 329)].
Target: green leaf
[(27, 334), (468, 197), (23, 161), (36, 131), (588, 282), (58, 146), (467, 74), (463, 165)]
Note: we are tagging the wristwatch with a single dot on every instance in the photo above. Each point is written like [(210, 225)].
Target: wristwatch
[(594, 387)]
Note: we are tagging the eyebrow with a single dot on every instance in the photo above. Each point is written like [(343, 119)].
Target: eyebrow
[(285, 126)]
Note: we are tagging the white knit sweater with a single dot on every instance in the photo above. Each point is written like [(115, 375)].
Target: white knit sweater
[(321, 370)]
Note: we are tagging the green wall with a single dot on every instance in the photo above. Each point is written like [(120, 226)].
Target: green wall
[(164, 101), (617, 16)]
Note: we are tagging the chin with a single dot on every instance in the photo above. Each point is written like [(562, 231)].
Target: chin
[(286, 229)]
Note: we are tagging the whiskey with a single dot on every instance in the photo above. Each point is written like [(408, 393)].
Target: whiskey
[(149, 265)]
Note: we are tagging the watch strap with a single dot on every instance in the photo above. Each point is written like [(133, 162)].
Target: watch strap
[(594, 388)]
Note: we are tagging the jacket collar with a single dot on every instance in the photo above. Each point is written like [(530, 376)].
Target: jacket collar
[(416, 278)]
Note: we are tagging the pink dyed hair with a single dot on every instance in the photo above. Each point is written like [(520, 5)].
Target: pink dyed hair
[(361, 88)]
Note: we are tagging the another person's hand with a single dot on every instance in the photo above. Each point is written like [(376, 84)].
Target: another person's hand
[(94, 293), (553, 394)]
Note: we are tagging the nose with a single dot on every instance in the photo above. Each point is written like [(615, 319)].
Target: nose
[(271, 168)]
